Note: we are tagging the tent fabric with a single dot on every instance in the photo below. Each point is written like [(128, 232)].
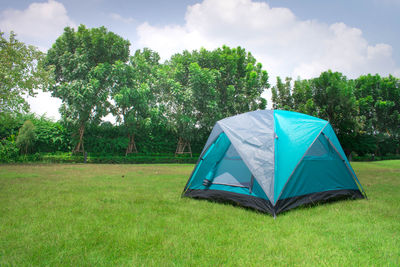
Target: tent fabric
[(256, 147), (320, 170), (272, 161), (216, 131), (209, 161), (325, 196), (295, 133), (256, 203), (330, 134), (232, 170)]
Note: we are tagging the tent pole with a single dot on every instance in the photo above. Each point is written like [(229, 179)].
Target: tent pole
[(198, 164)]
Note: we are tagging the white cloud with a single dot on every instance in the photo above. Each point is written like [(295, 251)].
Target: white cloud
[(286, 45), (118, 17), (40, 24)]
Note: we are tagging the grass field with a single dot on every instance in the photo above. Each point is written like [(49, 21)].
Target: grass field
[(130, 215)]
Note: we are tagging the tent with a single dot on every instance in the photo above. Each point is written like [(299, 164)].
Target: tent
[(273, 161)]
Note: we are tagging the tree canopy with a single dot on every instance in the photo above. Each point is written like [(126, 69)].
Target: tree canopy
[(207, 86), (364, 112), (82, 61), (21, 72), (157, 104), (26, 136), (132, 90)]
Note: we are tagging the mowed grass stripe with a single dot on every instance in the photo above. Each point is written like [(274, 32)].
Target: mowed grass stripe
[(103, 215)]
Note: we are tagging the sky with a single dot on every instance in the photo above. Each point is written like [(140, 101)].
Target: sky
[(294, 38)]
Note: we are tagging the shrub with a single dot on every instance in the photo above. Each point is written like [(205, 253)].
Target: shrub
[(26, 136), (8, 150)]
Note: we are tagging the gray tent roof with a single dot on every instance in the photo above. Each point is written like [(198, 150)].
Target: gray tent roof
[(252, 135)]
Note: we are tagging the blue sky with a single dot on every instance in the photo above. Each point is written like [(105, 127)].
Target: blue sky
[(290, 37)]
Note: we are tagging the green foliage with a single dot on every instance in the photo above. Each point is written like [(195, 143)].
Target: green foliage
[(373, 157), (106, 139), (178, 101), (157, 104), (379, 108), (10, 124), (133, 92), (137, 158), (206, 86), (363, 112), (8, 150), (51, 136), (82, 61), (202, 83), (303, 97), (26, 137), (334, 98), (282, 95), (21, 72)]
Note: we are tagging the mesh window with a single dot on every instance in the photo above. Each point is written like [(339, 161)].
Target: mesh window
[(319, 149), (232, 171), (231, 154)]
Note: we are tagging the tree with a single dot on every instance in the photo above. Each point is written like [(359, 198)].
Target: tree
[(21, 72), (240, 79), (303, 97), (177, 100), (211, 85), (387, 106), (330, 96), (26, 136), (282, 94), (367, 91), (387, 109), (202, 84), (82, 62), (298, 98), (334, 100), (379, 109), (133, 90)]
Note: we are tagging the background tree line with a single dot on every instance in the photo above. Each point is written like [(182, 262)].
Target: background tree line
[(155, 104), (165, 107), (365, 112)]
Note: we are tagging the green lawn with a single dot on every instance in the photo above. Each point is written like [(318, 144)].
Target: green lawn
[(130, 215)]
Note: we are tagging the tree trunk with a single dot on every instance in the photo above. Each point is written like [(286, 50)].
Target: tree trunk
[(79, 147), (182, 144), (377, 150), (132, 145)]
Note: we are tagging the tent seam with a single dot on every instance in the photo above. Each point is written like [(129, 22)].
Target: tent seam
[(298, 163), (198, 163), (224, 128), (273, 145), (348, 167)]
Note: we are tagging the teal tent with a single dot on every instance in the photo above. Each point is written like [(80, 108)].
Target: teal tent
[(273, 161)]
